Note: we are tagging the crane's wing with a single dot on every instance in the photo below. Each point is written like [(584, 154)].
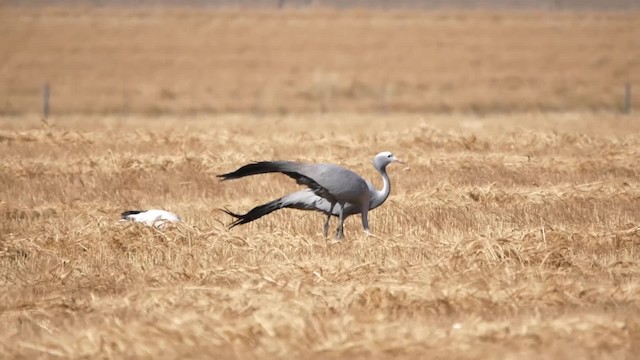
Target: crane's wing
[(302, 200), (298, 171)]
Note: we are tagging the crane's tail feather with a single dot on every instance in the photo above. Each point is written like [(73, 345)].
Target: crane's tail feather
[(255, 213)]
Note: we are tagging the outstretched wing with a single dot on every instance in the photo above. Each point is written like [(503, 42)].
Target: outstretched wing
[(300, 172), (329, 181), (301, 200)]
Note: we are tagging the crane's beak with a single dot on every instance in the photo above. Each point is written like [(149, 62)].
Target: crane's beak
[(396, 160), (406, 168)]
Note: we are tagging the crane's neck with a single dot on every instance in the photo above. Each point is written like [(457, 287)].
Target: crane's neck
[(380, 196)]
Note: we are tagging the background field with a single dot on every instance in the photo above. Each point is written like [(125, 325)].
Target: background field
[(513, 234), (189, 61)]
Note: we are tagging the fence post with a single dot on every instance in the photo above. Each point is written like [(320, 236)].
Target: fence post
[(627, 98), (45, 100)]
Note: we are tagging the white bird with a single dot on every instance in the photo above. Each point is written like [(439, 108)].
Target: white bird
[(156, 218), (328, 185)]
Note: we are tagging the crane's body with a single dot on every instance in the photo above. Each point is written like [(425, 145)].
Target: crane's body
[(333, 190)]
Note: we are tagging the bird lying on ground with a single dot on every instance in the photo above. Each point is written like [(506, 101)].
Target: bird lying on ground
[(156, 218), (332, 190)]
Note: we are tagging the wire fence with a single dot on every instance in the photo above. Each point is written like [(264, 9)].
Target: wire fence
[(625, 105)]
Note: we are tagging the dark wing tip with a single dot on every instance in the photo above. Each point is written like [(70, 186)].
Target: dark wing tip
[(228, 212), (124, 214), (254, 168), (238, 219)]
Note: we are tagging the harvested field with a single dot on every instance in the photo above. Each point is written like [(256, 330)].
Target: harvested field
[(512, 236), (195, 61)]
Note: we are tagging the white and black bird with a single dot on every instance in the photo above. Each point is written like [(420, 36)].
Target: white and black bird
[(332, 190), (156, 218)]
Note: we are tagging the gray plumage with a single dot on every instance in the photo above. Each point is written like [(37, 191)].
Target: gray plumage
[(333, 190), (329, 181)]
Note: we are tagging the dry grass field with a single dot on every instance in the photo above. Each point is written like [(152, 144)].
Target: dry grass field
[(513, 236), (179, 61)]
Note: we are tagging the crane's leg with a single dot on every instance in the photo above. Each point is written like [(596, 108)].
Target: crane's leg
[(340, 229), (365, 218), (325, 230)]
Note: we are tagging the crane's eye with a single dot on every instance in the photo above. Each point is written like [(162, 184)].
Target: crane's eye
[(390, 155)]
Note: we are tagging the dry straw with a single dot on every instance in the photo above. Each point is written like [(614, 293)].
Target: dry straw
[(513, 236)]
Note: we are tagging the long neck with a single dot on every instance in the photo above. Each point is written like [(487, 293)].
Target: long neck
[(379, 196)]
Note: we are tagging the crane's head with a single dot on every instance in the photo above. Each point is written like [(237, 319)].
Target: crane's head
[(383, 159)]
